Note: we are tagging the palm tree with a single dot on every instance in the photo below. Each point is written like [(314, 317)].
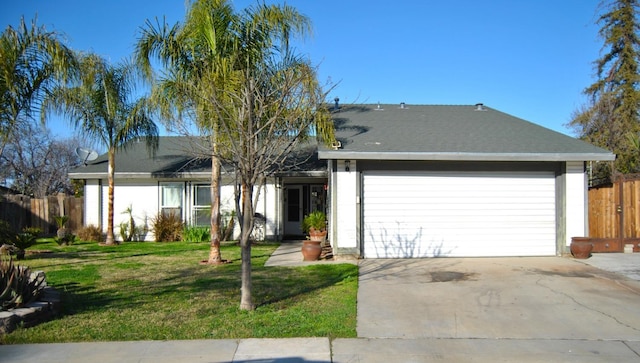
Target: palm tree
[(100, 105), (198, 56), (234, 74), (32, 61)]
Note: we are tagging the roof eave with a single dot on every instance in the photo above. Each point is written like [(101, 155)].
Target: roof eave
[(133, 175), (461, 156), (188, 175)]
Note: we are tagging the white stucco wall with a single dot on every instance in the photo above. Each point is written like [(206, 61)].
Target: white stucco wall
[(345, 229), (265, 205), (268, 206), (144, 196), (575, 201), (92, 202), (141, 195)]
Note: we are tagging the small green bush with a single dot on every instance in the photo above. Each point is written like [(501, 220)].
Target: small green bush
[(90, 233), (65, 240), (7, 234), (167, 227), (196, 234), (24, 240), (61, 220), (35, 231)]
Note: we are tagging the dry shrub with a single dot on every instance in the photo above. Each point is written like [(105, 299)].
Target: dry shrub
[(90, 233), (167, 227)]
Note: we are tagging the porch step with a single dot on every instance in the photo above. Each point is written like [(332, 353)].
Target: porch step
[(327, 252)]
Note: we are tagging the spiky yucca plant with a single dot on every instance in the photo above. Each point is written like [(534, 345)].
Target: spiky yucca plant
[(17, 287)]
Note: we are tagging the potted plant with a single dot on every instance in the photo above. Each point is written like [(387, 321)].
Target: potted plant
[(315, 225), (63, 234)]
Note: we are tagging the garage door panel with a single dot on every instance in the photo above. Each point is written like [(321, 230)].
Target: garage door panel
[(426, 214)]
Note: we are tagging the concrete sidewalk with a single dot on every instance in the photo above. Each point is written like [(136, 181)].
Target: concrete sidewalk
[(322, 350), (192, 351), (625, 264), (521, 337)]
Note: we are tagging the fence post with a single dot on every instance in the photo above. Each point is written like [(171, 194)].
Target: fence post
[(620, 209)]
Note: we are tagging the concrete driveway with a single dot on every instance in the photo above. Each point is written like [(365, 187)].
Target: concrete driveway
[(496, 298)]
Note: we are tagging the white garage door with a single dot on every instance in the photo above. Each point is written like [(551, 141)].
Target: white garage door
[(456, 214)]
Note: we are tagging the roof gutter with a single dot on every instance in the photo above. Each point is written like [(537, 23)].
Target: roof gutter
[(133, 175), (459, 156), (194, 175)]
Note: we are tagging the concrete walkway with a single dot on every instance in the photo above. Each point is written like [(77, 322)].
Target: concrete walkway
[(456, 334)]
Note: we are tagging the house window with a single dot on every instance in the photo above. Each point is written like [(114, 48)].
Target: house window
[(202, 205), (171, 199)]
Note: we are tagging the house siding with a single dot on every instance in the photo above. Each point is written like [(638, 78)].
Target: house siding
[(575, 193), (345, 208), (144, 198), (347, 229), (92, 202)]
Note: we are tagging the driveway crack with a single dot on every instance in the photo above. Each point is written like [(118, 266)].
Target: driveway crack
[(539, 283)]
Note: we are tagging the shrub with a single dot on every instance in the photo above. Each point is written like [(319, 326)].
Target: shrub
[(24, 240), (167, 227), (196, 234), (7, 235), (17, 287), (90, 233), (63, 233), (65, 240), (61, 221), (34, 231)]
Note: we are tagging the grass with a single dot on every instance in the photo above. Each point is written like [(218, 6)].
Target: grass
[(158, 291)]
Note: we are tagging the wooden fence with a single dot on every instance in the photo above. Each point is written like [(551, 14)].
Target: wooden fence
[(22, 211), (614, 214)]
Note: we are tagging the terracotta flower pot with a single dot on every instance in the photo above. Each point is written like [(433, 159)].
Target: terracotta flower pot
[(311, 250), (317, 235), (581, 247)]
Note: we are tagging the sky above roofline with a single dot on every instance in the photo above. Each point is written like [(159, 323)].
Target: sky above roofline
[(530, 59)]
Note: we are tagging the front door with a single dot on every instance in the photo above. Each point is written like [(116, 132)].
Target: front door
[(294, 209)]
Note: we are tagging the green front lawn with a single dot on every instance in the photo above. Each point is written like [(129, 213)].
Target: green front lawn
[(159, 291)]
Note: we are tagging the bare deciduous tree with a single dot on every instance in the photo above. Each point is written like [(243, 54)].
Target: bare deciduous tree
[(36, 163)]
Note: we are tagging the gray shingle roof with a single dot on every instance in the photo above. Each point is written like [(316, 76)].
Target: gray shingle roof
[(174, 155), (439, 132), (180, 156)]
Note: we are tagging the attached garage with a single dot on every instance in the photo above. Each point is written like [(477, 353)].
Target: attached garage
[(409, 181), (458, 214)]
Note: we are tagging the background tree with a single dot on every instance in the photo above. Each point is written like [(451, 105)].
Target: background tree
[(196, 56), (614, 99), (36, 163), (101, 104), (32, 61)]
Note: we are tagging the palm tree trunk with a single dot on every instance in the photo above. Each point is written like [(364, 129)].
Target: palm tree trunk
[(214, 252), (110, 174), (246, 297)]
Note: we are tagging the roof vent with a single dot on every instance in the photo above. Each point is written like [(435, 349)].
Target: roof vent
[(337, 104), (480, 107), (403, 105), (379, 108)]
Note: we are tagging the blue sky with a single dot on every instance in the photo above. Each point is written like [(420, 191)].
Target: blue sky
[(531, 59)]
